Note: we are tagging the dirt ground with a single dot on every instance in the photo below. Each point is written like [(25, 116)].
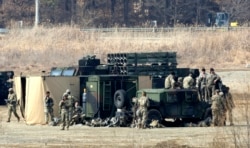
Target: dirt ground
[(19, 134), (16, 134)]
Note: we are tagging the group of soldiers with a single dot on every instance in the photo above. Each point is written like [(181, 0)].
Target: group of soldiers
[(69, 109), (209, 86), (210, 89)]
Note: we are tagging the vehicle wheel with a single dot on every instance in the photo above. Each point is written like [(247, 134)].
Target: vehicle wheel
[(120, 98), (153, 114)]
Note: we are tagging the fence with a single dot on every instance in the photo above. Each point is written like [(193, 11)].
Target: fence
[(175, 29)]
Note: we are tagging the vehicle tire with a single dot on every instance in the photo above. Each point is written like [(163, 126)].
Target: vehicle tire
[(153, 114), (120, 98)]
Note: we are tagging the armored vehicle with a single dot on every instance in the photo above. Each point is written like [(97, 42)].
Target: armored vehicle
[(178, 104)]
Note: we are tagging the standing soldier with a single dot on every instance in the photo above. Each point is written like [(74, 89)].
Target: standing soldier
[(72, 101), (202, 81), (64, 106), (212, 80), (223, 111), (188, 81), (48, 107), (170, 81), (142, 112), (12, 102), (216, 108), (230, 105)]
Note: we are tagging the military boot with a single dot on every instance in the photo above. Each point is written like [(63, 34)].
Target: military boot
[(62, 128)]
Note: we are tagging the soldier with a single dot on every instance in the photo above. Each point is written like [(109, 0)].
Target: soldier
[(230, 105), (202, 81), (217, 108), (64, 106), (78, 115), (179, 84), (72, 100), (213, 81), (188, 81), (142, 113), (48, 107), (170, 81), (12, 102), (222, 119)]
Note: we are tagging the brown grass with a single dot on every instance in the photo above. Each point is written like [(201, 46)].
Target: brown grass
[(42, 48)]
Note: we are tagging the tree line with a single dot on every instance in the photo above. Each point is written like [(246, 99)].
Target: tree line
[(121, 13)]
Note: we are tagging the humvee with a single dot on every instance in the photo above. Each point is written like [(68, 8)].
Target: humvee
[(177, 104)]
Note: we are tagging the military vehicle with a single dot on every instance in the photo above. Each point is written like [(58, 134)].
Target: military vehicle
[(5, 85), (178, 104), (219, 19), (110, 86)]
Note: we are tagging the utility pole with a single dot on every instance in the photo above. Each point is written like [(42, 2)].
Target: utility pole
[(37, 13)]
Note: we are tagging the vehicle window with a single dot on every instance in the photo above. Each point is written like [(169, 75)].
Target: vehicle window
[(172, 98), (191, 97)]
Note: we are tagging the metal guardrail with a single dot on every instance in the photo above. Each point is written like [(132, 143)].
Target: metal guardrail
[(184, 29)]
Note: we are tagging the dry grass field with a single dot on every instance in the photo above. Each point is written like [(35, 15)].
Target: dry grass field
[(28, 50), (31, 51)]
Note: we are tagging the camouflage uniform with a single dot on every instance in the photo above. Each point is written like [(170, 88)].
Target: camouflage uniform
[(64, 106), (230, 106), (48, 108), (169, 81), (202, 81), (72, 101), (188, 82), (217, 109), (222, 119), (78, 115), (12, 102), (212, 79), (142, 111)]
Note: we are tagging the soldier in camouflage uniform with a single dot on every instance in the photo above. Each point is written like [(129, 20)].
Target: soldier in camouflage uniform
[(188, 81), (217, 109), (48, 107), (78, 115), (72, 100), (230, 105), (212, 80), (202, 81), (64, 106), (222, 119), (170, 81), (12, 102), (142, 111)]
